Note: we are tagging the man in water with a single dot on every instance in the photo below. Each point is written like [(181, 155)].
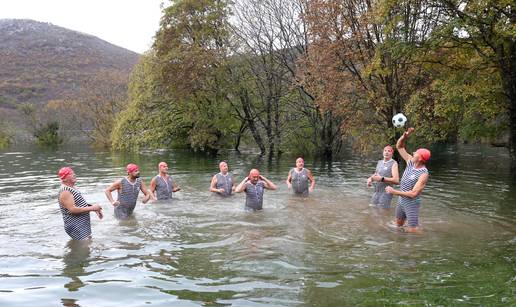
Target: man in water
[(222, 183), (128, 189), (298, 178), (254, 186), (386, 174), (162, 186), (74, 208), (412, 184)]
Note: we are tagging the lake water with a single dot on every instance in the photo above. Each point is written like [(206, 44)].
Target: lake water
[(199, 249)]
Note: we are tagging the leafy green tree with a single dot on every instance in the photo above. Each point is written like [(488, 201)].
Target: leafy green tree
[(178, 92), (486, 29)]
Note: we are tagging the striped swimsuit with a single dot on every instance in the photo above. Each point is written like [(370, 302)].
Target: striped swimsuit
[(299, 181), (408, 208), (164, 187), (127, 197), (381, 198), (225, 182), (254, 195), (78, 227)]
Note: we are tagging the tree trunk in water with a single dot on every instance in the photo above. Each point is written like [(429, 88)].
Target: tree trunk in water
[(246, 106), (507, 62), (241, 131)]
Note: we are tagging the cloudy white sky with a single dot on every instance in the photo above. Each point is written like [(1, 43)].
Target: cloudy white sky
[(127, 23)]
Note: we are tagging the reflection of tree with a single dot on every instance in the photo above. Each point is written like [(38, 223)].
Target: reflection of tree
[(75, 260), (68, 302)]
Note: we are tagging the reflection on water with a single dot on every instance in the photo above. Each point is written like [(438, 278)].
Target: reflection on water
[(199, 249), (75, 259)]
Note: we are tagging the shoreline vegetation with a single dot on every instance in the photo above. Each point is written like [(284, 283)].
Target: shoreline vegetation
[(304, 77)]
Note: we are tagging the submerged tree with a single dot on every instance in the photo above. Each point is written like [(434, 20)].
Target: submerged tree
[(484, 31), (362, 61), (178, 93)]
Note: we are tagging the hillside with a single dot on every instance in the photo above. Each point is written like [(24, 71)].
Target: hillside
[(40, 62)]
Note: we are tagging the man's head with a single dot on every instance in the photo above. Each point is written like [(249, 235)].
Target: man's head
[(67, 175), (133, 170), (163, 167), (254, 176), (388, 151), (223, 167), (300, 163), (421, 155)]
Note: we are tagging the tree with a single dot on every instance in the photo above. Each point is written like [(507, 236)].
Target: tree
[(178, 92), (93, 109), (488, 28), (362, 62)]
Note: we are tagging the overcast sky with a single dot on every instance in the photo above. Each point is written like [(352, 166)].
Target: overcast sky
[(127, 23)]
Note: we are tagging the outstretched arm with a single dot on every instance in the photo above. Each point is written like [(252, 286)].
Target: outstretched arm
[(400, 145)]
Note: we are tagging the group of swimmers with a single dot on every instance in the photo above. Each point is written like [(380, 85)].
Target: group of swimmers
[(75, 209)]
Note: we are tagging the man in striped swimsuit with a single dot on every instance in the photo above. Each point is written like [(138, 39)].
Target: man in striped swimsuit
[(128, 189), (222, 183), (298, 178), (412, 184), (74, 208), (162, 186)]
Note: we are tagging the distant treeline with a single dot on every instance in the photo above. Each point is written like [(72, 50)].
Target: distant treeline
[(304, 75)]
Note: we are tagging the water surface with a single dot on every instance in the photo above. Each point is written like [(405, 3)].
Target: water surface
[(200, 249)]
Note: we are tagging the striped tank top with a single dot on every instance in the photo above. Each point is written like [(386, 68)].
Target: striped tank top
[(164, 187), (225, 182), (254, 195), (408, 181), (380, 197), (78, 227), (299, 181), (127, 197)]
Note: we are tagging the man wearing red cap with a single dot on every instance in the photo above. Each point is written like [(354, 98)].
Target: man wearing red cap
[(162, 186), (128, 189), (412, 184), (254, 185), (74, 208)]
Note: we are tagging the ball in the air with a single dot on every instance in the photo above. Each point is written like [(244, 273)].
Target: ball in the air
[(399, 120)]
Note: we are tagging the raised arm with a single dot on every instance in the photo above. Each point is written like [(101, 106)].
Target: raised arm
[(241, 186), (115, 186), (268, 184), (400, 145)]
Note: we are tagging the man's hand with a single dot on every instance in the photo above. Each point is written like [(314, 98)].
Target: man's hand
[(115, 203), (389, 189)]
